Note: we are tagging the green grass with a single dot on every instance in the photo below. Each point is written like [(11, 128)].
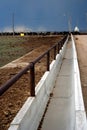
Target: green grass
[(10, 48)]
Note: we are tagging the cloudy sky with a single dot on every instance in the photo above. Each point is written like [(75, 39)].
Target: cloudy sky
[(43, 15)]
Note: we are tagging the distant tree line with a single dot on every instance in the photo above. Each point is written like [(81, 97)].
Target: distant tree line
[(32, 33), (42, 33)]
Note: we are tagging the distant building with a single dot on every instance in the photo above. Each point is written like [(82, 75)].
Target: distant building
[(76, 29)]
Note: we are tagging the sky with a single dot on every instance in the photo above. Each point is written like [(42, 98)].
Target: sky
[(43, 15)]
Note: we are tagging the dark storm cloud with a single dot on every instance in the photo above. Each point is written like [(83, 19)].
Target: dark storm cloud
[(48, 14)]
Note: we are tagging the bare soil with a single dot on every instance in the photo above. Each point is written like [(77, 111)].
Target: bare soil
[(81, 46), (13, 99)]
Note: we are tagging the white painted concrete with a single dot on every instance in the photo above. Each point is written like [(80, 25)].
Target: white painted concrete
[(29, 116), (81, 121)]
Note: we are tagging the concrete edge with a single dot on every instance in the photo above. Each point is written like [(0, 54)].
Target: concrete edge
[(29, 116), (80, 114)]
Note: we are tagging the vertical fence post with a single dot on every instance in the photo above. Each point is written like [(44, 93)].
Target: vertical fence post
[(62, 42), (32, 79), (58, 48), (55, 53), (60, 45), (48, 60)]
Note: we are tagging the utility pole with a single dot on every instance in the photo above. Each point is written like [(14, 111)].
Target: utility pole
[(69, 24), (13, 23), (86, 21)]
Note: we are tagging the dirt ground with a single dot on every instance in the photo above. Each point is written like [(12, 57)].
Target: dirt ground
[(13, 99), (81, 46)]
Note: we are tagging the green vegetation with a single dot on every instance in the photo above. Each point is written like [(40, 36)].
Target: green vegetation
[(11, 48)]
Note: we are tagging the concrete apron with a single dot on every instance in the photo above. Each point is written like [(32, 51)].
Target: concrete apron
[(64, 111), (29, 116)]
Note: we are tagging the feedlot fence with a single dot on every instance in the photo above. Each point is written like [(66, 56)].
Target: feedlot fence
[(31, 67)]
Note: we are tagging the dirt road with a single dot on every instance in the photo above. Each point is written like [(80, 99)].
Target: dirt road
[(81, 46)]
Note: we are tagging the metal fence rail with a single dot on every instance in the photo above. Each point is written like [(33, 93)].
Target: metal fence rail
[(31, 67)]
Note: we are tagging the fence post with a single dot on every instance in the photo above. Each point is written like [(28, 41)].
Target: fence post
[(62, 42), (32, 79), (55, 53), (60, 45), (48, 60), (58, 48)]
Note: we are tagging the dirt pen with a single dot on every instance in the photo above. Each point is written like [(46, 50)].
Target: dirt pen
[(81, 46), (14, 98)]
